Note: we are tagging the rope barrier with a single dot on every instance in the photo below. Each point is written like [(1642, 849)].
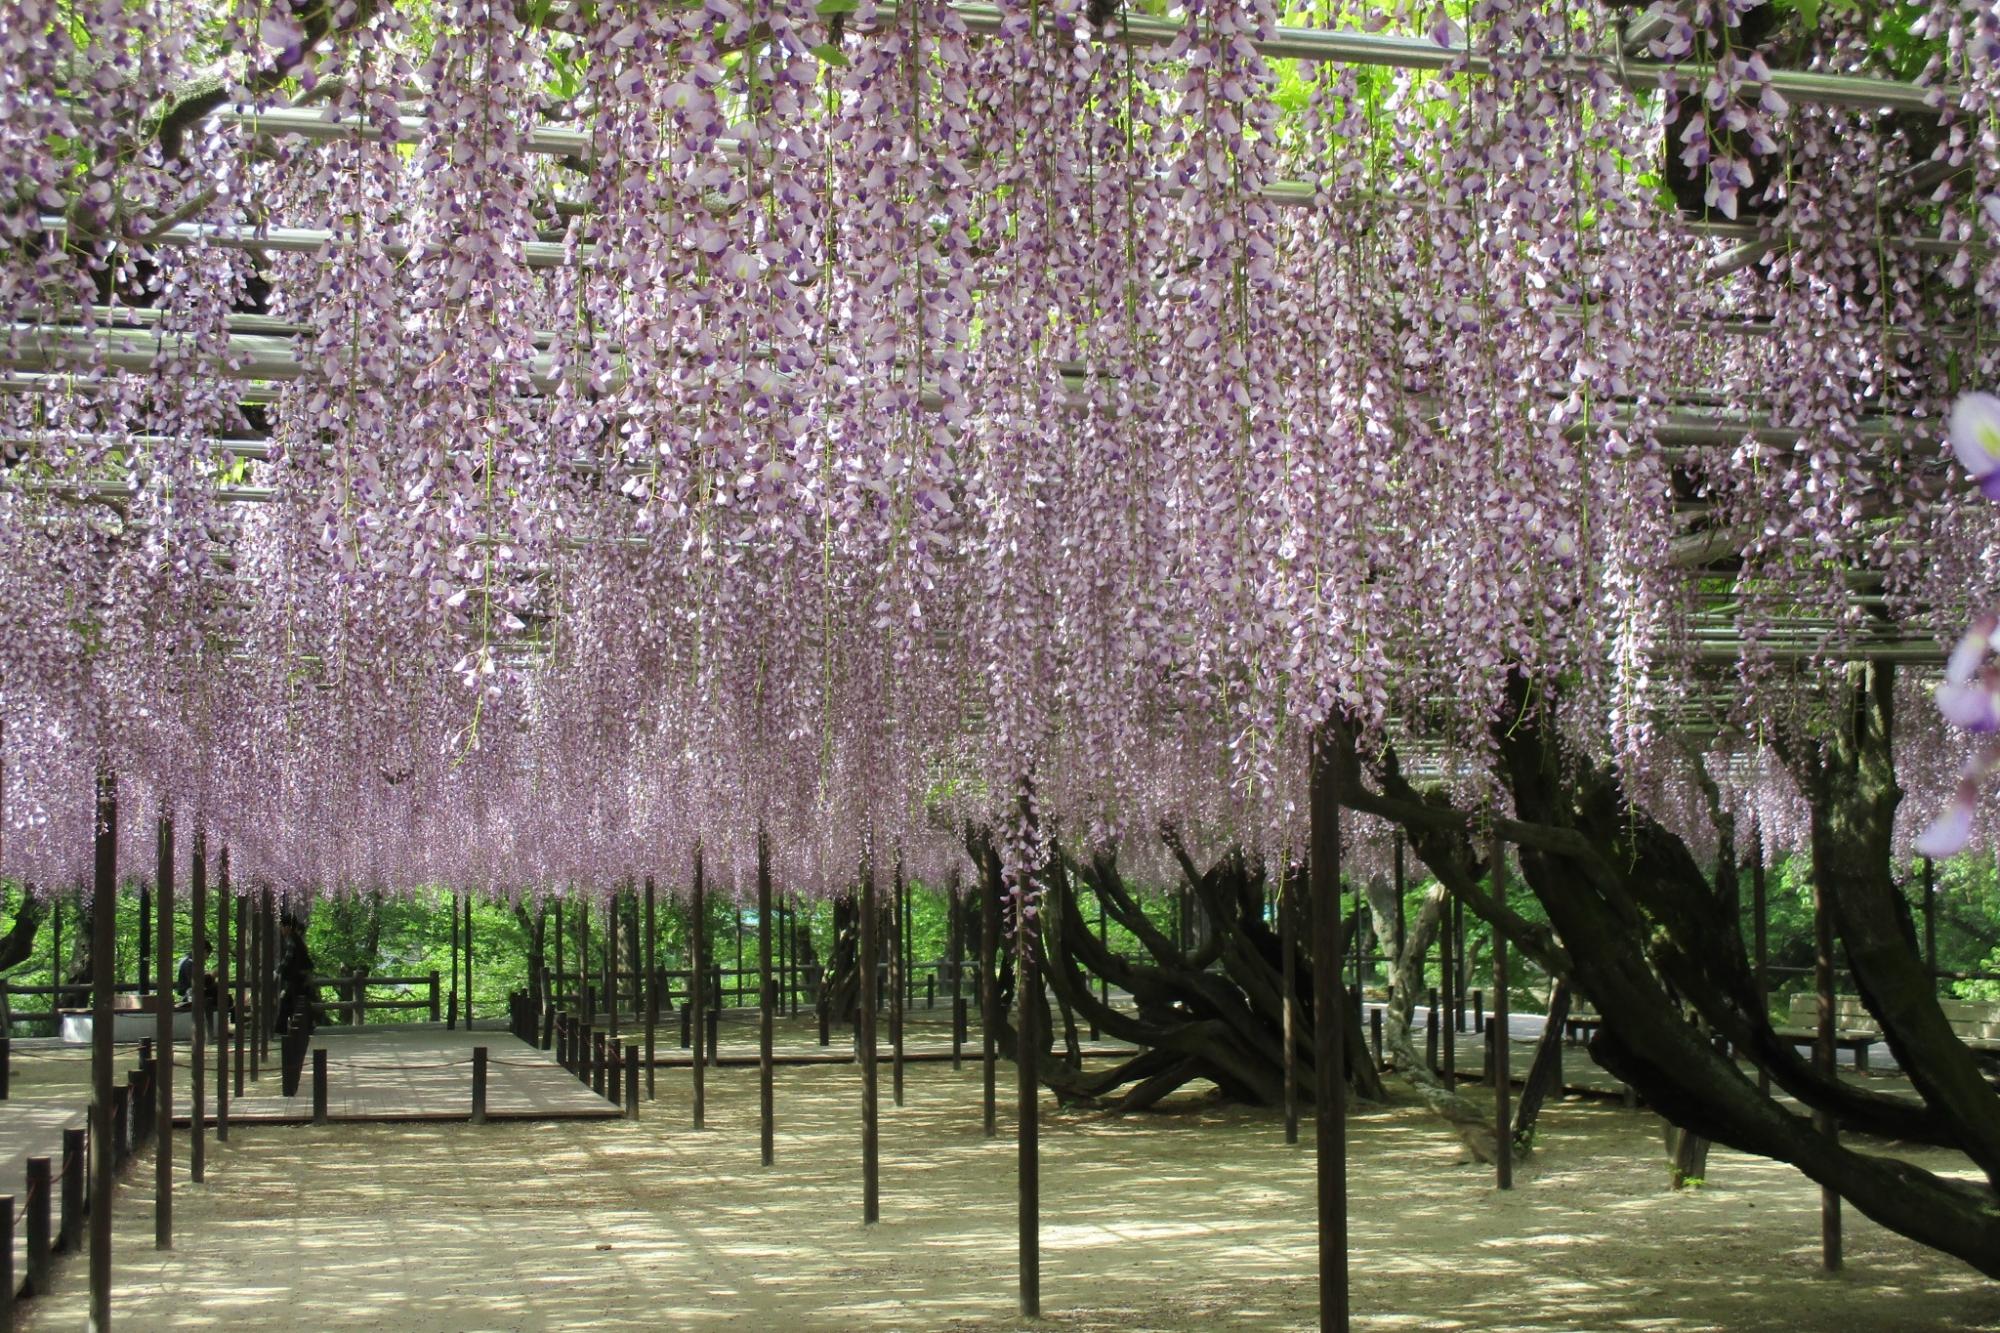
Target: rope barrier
[(450, 1064)]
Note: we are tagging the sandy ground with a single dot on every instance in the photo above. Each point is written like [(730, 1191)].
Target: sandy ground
[(1195, 1220)]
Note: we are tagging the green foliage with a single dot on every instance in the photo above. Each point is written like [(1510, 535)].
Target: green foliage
[(410, 935)]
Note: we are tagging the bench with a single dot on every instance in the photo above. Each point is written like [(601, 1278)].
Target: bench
[(1853, 1026), (132, 1019), (1974, 1022), (1581, 1024)]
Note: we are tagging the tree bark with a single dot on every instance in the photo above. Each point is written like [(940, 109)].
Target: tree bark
[(1634, 924), (1851, 790), (19, 941), (1213, 1011)]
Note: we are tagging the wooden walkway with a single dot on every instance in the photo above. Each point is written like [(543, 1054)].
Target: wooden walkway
[(410, 1073), (49, 1093)]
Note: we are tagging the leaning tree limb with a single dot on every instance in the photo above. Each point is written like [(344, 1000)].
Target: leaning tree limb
[(1851, 790), (19, 941), (1404, 1066), (1213, 1012), (1625, 920)]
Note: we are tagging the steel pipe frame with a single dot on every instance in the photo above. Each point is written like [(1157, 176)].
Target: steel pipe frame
[(268, 358), (1351, 47)]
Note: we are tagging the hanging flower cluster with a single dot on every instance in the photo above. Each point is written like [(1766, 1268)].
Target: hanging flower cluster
[(510, 444)]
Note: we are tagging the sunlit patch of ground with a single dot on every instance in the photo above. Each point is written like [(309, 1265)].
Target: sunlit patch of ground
[(1196, 1220)]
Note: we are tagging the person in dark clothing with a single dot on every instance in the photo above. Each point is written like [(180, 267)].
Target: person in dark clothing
[(184, 983), (295, 969), (295, 1003)]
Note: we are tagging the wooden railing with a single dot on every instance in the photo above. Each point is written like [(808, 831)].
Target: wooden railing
[(68, 995), (354, 1004)]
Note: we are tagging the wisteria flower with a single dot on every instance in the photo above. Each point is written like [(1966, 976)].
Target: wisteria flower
[(1952, 829), (1974, 429), (1969, 697)]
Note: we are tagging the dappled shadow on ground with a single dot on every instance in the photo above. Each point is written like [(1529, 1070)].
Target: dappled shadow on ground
[(1197, 1220)]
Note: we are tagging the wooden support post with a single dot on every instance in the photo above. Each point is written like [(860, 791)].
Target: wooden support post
[(1458, 970), (1502, 1070), (599, 1075), (584, 981), (198, 1005), (1823, 1056), (989, 996), (56, 960), (955, 917), (556, 985), (614, 1065), (1447, 999), (898, 978), (466, 946), (74, 1173), (778, 951), (1027, 1000), (319, 1085), (255, 985), (652, 990), (698, 987), (767, 997), (1375, 1031), (269, 979), (632, 1081), (1431, 1031), (1288, 954), (1402, 917), (1329, 1055), (146, 942), (41, 1207), (104, 949), (451, 997), (613, 990), (1360, 945), (1104, 942), (479, 1085), (871, 1185), (1760, 939), (222, 896), (9, 1280), (1930, 918), (241, 999), (163, 1040)]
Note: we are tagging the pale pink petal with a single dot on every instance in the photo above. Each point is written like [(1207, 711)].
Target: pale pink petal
[(1974, 429)]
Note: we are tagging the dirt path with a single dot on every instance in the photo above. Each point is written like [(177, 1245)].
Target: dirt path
[(1201, 1220)]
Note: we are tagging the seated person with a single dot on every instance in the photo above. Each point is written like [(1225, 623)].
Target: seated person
[(184, 981)]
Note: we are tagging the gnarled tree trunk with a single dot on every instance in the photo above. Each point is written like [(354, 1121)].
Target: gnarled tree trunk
[(1213, 1011), (1637, 926)]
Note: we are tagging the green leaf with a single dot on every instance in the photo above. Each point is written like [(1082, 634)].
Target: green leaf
[(826, 9), (831, 54)]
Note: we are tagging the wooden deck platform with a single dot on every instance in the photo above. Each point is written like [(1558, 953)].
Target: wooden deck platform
[(389, 1074)]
